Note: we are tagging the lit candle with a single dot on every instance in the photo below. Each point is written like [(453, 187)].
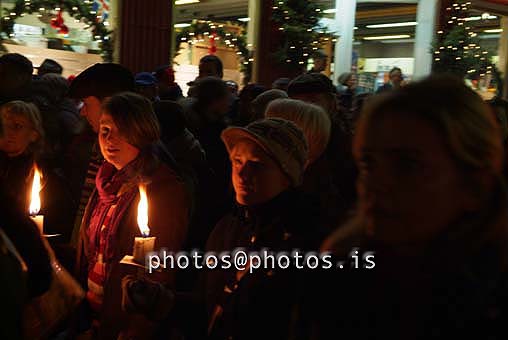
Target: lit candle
[(145, 244), (35, 201)]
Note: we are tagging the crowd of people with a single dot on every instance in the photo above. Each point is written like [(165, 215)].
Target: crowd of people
[(413, 177)]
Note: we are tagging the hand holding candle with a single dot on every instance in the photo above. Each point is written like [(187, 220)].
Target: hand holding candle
[(35, 202), (145, 244)]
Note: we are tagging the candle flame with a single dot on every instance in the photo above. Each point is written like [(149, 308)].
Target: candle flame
[(143, 212), (35, 202)]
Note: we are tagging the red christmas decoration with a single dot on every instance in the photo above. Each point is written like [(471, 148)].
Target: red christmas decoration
[(213, 47), (63, 29), (58, 23)]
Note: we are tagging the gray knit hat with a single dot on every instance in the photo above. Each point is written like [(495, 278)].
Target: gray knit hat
[(280, 139)]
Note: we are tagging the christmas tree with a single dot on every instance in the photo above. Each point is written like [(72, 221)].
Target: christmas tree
[(299, 23), (457, 49)]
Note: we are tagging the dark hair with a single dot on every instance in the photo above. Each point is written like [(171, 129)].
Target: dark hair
[(311, 83), (101, 81), (319, 54), (216, 61), (15, 75), (17, 63), (49, 66), (395, 69), (281, 83), (251, 91), (171, 118), (209, 89), (133, 115), (59, 86)]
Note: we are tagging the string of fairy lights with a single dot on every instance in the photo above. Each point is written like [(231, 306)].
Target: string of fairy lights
[(459, 43), (79, 10), (204, 31)]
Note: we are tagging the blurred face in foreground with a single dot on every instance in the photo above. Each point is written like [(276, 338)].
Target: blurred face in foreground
[(114, 146), (257, 178), (410, 189)]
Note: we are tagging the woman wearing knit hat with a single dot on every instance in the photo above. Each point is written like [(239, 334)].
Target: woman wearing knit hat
[(268, 159)]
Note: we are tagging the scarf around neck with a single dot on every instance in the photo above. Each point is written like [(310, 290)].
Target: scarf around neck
[(114, 187)]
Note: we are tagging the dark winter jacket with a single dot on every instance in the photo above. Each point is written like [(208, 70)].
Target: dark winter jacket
[(168, 217), (259, 304), (457, 287)]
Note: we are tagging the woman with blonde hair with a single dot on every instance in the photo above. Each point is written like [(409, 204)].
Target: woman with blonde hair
[(432, 212), (318, 178)]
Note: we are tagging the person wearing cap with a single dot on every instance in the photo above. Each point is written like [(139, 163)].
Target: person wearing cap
[(318, 89), (83, 159), (268, 158), (146, 85), (49, 66), (320, 61), (281, 84), (16, 77), (168, 88)]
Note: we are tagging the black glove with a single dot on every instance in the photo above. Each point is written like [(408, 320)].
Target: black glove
[(146, 297)]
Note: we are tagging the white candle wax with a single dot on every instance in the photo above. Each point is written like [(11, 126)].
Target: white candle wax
[(39, 220), (142, 246)]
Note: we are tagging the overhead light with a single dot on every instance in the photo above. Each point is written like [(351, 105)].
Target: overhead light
[(496, 30), (385, 37), (395, 24), (355, 28), (483, 17), (185, 2), (330, 11), (398, 41), (243, 19), (181, 25)]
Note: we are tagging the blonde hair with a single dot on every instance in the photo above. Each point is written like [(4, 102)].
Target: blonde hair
[(30, 112), (310, 118), (462, 118)]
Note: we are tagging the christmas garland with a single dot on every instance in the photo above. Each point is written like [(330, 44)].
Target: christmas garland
[(302, 33), (82, 10), (201, 31)]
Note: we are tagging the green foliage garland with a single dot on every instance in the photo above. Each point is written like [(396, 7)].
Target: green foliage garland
[(203, 30), (78, 9)]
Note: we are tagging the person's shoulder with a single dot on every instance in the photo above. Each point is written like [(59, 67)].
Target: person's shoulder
[(164, 175), (218, 238)]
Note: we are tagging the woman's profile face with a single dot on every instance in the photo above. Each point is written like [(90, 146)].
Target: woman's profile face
[(114, 146), (18, 132), (409, 187)]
